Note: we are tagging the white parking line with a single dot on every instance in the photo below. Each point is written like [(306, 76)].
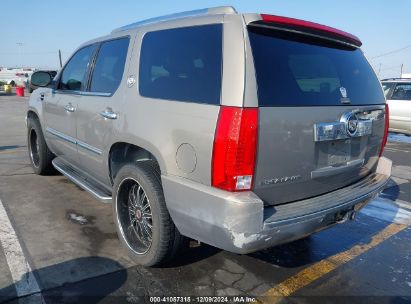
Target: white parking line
[(24, 281), (391, 211), (396, 150)]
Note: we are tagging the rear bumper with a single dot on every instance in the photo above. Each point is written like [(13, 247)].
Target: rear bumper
[(239, 222)]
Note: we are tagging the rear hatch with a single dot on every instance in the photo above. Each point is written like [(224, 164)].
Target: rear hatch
[(321, 112)]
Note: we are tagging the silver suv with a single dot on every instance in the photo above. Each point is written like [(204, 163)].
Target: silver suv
[(242, 131)]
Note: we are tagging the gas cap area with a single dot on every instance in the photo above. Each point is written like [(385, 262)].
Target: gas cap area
[(186, 158)]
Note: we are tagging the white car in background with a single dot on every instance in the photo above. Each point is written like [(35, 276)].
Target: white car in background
[(398, 94), (15, 76)]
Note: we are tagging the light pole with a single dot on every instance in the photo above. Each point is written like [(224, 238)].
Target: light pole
[(20, 44)]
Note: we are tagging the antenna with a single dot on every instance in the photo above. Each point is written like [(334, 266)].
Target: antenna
[(61, 64)]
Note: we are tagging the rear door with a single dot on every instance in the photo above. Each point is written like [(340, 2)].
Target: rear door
[(321, 114), (98, 111), (400, 107)]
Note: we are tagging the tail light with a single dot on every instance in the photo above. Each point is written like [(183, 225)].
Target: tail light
[(387, 125), (234, 151)]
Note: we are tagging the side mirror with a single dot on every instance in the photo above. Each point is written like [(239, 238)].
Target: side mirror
[(41, 79)]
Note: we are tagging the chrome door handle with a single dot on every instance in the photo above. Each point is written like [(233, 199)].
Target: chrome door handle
[(69, 108), (109, 114)]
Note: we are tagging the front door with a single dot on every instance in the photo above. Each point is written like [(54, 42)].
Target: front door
[(61, 106)]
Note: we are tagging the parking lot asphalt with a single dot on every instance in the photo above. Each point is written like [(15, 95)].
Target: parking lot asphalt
[(58, 244)]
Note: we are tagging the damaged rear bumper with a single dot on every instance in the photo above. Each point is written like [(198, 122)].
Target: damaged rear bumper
[(239, 222)]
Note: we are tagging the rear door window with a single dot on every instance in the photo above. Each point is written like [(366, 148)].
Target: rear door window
[(109, 66), (74, 75), (292, 70), (402, 91), (182, 64)]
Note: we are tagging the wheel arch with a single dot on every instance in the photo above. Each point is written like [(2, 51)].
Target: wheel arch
[(34, 114), (122, 153), (31, 113), (35, 109)]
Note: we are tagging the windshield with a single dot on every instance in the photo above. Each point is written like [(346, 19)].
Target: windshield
[(293, 70)]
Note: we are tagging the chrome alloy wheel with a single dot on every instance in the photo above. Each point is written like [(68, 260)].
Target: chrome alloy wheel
[(134, 214), (34, 148)]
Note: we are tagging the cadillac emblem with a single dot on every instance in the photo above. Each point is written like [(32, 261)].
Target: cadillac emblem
[(351, 123)]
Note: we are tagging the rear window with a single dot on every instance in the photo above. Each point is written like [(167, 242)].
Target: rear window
[(182, 64), (109, 66), (293, 70)]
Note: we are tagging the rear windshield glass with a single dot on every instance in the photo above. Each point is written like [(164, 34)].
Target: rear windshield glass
[(293, 70)]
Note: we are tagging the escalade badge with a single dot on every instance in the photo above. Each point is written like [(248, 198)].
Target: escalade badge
[(280, 180)]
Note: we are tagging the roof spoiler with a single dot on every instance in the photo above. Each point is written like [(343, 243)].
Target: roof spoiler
[(308, 28)]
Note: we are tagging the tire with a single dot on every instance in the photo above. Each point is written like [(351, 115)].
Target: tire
[(141, 182), (39, 153)]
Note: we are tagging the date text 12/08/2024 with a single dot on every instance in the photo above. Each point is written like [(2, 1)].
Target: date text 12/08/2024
[(203, 299)]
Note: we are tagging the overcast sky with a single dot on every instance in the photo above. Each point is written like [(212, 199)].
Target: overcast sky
[(33, 31)]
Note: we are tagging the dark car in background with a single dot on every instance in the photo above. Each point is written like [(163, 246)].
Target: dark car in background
[(32, 87)]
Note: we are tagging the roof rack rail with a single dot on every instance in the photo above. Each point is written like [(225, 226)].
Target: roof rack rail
[(194, 13), (396, 78)]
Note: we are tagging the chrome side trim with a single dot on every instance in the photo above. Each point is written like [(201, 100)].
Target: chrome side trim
[(337, 130), (103, 198), (61, 135), (84, 93), (89, 148), (66, 92), (74, 141)]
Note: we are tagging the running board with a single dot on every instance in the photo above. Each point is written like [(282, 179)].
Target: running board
[(88, 185)]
